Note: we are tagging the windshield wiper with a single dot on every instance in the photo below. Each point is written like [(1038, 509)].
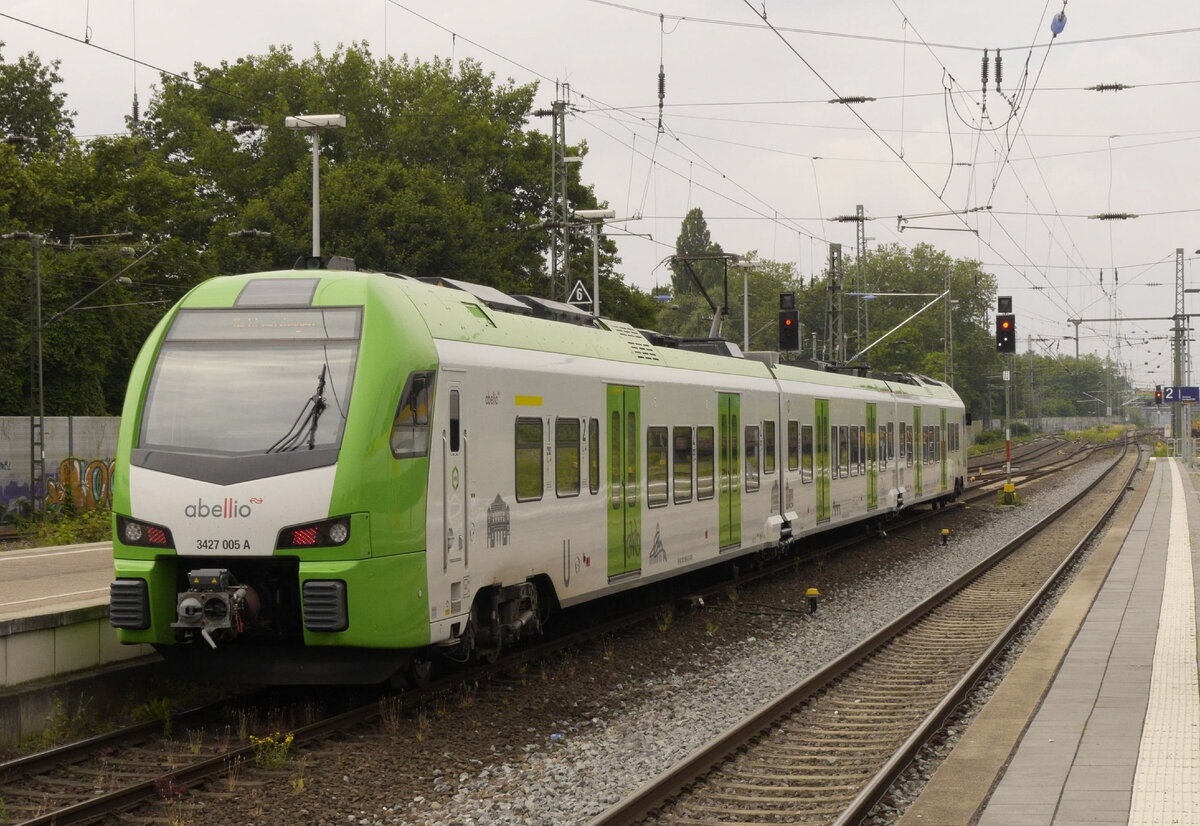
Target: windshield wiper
[(304, 428)]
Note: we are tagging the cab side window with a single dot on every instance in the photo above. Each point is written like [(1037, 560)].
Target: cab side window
[(410, 428)]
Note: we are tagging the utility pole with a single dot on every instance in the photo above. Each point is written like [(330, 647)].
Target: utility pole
[(835, 341), (560, 207), (860, 252), (949, 335)]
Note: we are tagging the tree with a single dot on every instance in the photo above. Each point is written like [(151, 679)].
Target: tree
[(30, 106)]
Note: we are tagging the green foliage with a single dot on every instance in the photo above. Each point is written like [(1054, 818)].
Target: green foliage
[(271, 750), (64, 724), (437, 173), (67, 526)]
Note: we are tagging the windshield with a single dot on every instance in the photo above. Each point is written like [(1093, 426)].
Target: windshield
[(238, 382)]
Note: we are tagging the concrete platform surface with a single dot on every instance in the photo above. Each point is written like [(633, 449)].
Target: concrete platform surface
[(1099, 721)]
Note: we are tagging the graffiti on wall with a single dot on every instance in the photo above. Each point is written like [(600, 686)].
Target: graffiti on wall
[(87, 482)]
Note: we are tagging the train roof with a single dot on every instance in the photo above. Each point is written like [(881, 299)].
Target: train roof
[(459, 310)]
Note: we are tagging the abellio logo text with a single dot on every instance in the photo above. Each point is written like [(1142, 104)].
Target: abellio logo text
[(226, 509)]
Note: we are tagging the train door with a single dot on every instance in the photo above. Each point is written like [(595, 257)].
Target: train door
[(872, 458), (821, 475), (729, 487), (624, 503), (918, 446), (455, 530)]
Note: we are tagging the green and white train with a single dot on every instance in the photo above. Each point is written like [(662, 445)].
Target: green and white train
[(331, 476)]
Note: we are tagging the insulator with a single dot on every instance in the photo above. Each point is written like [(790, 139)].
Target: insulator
[(983, 68), (135, 108), (662, 83), (999, 70)]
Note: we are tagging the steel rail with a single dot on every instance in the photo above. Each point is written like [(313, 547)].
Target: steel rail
[(660, 791)]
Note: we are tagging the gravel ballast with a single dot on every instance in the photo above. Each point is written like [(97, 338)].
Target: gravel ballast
[(559, 742)]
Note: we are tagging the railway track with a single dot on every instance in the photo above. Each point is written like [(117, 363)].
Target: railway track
[(85, 782), (826, 751)]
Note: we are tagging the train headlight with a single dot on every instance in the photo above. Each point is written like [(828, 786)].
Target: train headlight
[(339, 532), (324, 534), (144, 534)]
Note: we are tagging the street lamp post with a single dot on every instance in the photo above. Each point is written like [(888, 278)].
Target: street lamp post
[(745, 265), (315, 123), (595, 217)]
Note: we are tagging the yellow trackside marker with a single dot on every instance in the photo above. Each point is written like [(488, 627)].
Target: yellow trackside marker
[(812, 594), (945, 535), (527, 401)]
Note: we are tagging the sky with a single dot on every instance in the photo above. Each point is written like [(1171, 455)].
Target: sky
[(1009, 178)]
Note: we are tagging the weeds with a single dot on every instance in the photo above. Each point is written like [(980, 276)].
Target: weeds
[(666, 616), (195, 738), (271, 751), (391, 713)]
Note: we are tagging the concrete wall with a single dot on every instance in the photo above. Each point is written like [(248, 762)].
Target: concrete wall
[(79, 457)]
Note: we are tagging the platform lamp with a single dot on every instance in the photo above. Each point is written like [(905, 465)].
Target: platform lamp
[(315, 123)]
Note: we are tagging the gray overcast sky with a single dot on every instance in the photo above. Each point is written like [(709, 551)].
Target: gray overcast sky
[(750, 137)]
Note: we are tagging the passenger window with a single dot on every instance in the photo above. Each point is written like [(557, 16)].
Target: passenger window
[(881, 448), (751, 458), (844, 451), (529, 459), (682, 463), (806, 453), (704, 463), (594, 455), (908, 444), (455, 426), (656, 467), (631, 459), (615, 472), (768, 457), (410, 428), (793, 442), (566, 457), (862, 450), (834, 451), (855, 447)]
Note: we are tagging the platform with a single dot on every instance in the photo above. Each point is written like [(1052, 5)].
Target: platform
[(54, 613), (1099, 720)]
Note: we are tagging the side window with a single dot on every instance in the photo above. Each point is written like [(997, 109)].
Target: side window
[(594, 455), (908, 444), (793, 437), (704, 463), (682, 463), (855, 448), (616, 474), (410, 428), (844, 451), (751, 457), (862, 449), (881, 448), (631, 459), (566, 457), (835, 449), (529, 459), (768, 457), (455, 423), (806, 453), (656, 467), (891, 440)]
